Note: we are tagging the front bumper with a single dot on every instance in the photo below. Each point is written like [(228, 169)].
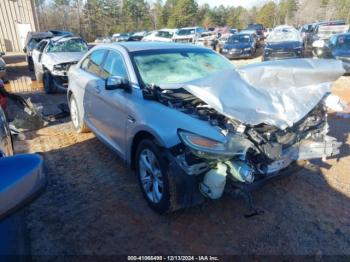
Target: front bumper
[(236, 54)]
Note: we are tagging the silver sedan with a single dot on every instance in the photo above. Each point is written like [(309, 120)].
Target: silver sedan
[(181, 117)]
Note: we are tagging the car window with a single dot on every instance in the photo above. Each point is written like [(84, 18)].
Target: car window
[(32, 43), (178, 66), (40, 47), (68, 45), (114, 66), (92, 63)]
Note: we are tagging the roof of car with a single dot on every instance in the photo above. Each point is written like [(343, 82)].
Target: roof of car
[(142, 46), (40, 34), (59, 38)]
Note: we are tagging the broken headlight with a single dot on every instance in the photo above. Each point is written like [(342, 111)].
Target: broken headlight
[(60, 67), (234, 145)]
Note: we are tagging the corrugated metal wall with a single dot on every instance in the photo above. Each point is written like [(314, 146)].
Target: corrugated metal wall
[(15, 17)]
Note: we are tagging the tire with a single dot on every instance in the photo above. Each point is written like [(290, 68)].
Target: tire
[(158, 196), (30, 64), (48, 83), (77, 120)]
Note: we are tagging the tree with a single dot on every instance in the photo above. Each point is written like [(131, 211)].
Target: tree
[(184, 14), (136, 15), (266, 15), (168, 9), (157, 14), (287, 9)]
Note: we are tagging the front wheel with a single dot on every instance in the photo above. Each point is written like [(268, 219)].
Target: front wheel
[(152, 172)]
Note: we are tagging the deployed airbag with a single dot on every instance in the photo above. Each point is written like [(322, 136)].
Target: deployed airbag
[(278, 93)]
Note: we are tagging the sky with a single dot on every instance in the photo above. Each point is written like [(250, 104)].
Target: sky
[(244, 3)]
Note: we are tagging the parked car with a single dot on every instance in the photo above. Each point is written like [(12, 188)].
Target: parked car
[(283, 42), (162, 35), (138, 36), (120, 37), (3, 71), (338, 47), (267, 32), (188, 34), (323, 34), (33, 38), (226, 126), (52, 59), (207, 39), (258, 40), (306, 34), (240, 46), (259, 28), (222, 41)]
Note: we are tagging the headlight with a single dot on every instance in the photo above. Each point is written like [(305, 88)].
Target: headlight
[(225, 50), (200, 143), (319, 51), (59, 67), (209, 148), (247, 49)]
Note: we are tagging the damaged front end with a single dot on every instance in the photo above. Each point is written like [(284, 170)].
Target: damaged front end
[(60, 74), (249, 154)]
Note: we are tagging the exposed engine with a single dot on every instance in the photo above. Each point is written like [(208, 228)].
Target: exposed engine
[(267, 149)]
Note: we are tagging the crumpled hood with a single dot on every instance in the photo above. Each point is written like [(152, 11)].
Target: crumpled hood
[(65, 57), (278, 93)]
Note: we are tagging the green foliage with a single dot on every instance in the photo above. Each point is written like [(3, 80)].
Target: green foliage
[(183, 14), (266, 15)]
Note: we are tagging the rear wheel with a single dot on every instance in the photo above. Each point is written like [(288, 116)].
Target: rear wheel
[(77, 120), (152, 174)]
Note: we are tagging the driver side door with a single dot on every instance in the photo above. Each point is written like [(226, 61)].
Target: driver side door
[(107, 110)]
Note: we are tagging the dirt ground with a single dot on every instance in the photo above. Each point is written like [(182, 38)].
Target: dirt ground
[(93, 204)]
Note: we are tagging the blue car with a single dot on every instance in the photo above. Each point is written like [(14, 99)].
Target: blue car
[(240, 46), (338, 47)]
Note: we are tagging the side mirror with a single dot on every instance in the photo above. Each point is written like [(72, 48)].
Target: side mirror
[(116, 82), (2, 53)]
